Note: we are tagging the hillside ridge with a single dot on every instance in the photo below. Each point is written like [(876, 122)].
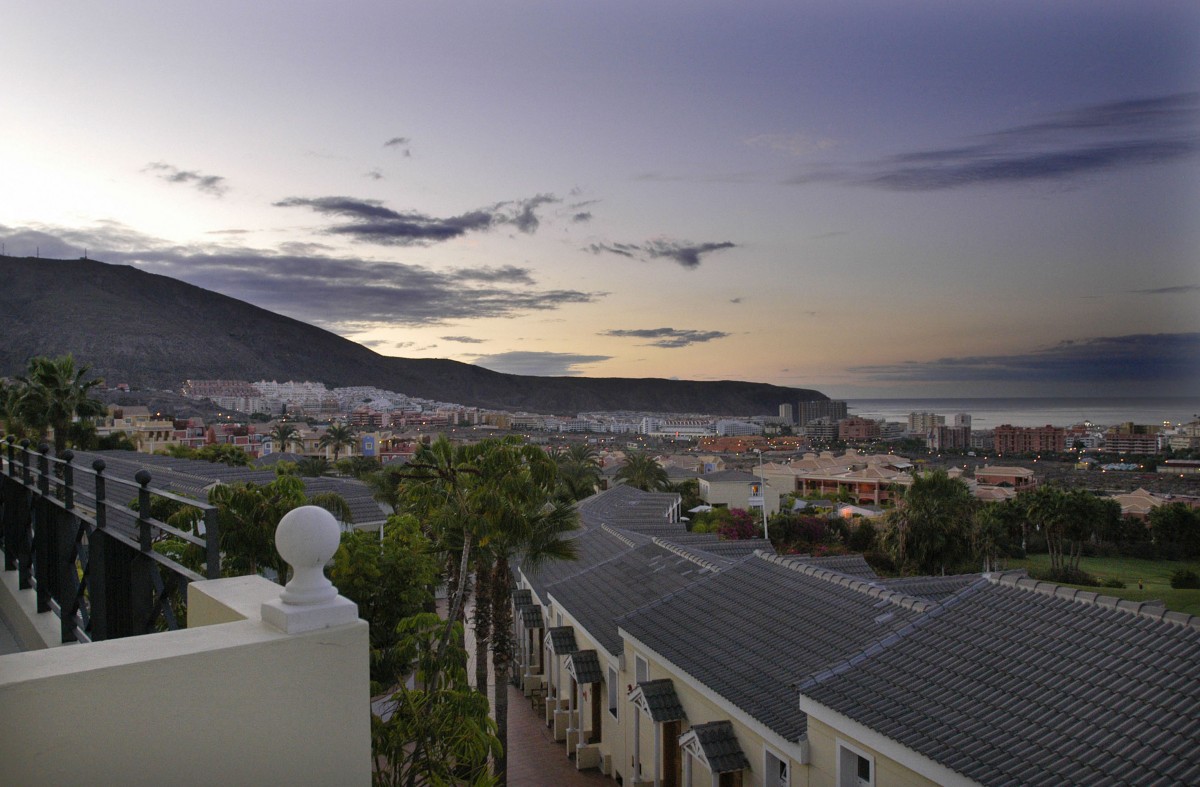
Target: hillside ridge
[(153, 331)]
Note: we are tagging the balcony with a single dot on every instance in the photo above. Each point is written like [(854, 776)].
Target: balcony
[(252, 683)]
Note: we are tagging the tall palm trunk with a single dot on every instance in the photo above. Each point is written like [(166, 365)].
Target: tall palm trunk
[(502, 653), (484, 590)]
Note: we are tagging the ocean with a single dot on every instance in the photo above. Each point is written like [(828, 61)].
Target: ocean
[(987, 413)]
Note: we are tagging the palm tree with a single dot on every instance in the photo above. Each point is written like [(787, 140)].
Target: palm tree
[(641, 470), (284, 434), (54, 394), (312, 466), (578, 471), (533, 527), (337, 437)]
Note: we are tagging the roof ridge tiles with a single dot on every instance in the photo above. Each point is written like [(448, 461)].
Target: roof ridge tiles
[(857, 584), (686, 554), (612, 531), (1153, 609)]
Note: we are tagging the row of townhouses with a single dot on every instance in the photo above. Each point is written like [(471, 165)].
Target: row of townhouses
[(666, 658)]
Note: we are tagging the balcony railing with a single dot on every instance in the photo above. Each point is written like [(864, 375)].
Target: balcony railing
[(91, 560)]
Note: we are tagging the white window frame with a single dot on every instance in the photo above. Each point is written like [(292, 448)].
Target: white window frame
[(614, 700), (848, 776), (770, 772), (641, 669)]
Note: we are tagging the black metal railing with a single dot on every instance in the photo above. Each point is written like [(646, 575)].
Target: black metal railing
[(91, 560)]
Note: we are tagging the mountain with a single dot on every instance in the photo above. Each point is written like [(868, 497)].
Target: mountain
[(154, 331)]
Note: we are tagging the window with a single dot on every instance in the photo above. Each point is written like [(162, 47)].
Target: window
[(612, 692), (641, 669), (856, 768), (776, 770)]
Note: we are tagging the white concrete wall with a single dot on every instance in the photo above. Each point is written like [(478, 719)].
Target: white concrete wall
[(229, 701)]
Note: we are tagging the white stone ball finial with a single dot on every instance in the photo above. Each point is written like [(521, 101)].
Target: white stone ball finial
[(307, 537)]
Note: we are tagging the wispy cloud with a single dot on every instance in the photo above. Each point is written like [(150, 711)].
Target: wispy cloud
[(1165, 358), (213, 185), (540, 364), (1063, 146), (1176, 290), (667, 337), (340, 293), (462, 339), (370, 221), (796, 144), (400, 143), (686, 253)]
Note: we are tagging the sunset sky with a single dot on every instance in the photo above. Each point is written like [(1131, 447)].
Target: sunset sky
[(868, 198)]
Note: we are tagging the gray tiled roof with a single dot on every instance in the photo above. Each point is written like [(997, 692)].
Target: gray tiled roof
[(193, 478), (851, 565), (731, 477), (932, 588), (622, 505), (586, 666), (597, 597), (720, 746), (562, 640), (661, 700), (522, 597), (593, 546), (1016, 681), (752, 630), (712, 544)]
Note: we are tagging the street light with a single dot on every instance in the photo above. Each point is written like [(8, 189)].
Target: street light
[(762, 487)]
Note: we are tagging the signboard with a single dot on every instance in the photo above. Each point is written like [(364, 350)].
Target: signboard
[(368, 445)]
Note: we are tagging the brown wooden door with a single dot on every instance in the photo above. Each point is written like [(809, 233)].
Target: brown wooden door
[(672, 761)]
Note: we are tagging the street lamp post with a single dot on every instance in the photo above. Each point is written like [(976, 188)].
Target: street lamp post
[(762, 485)]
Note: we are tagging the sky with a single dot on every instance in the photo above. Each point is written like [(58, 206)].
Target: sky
[(892, 198)]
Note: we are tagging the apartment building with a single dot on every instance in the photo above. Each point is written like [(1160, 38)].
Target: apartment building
[(1010, 439)]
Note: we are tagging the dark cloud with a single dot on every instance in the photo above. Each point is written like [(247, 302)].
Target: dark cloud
[(522, 212), (624, 249), (213, 185), (540, 364), (372, 222), (401, 144), (1063, 146), (1177, 290), (581, 217), (462, 339), (1170, 359), (374, 175), (735, 300), (335, 292), (668, 337), (685, 253), (510, 274)]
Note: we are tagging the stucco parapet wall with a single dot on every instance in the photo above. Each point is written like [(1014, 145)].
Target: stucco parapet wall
[(1155, 610), (230, 700)]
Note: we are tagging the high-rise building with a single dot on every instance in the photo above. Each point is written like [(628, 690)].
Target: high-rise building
[(785, 414), (924, 423), (1029, 439), (811, 411), (962, 419)]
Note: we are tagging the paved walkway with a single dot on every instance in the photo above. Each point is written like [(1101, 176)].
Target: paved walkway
[(534, 758)]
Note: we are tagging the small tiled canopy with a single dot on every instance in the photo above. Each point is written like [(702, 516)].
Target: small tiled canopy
[(716, 746)]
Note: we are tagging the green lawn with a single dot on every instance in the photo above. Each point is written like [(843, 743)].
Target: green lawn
[(1154, 574)]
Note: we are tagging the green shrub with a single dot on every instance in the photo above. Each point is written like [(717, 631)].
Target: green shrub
[(1113, 582), (1183, 578)]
